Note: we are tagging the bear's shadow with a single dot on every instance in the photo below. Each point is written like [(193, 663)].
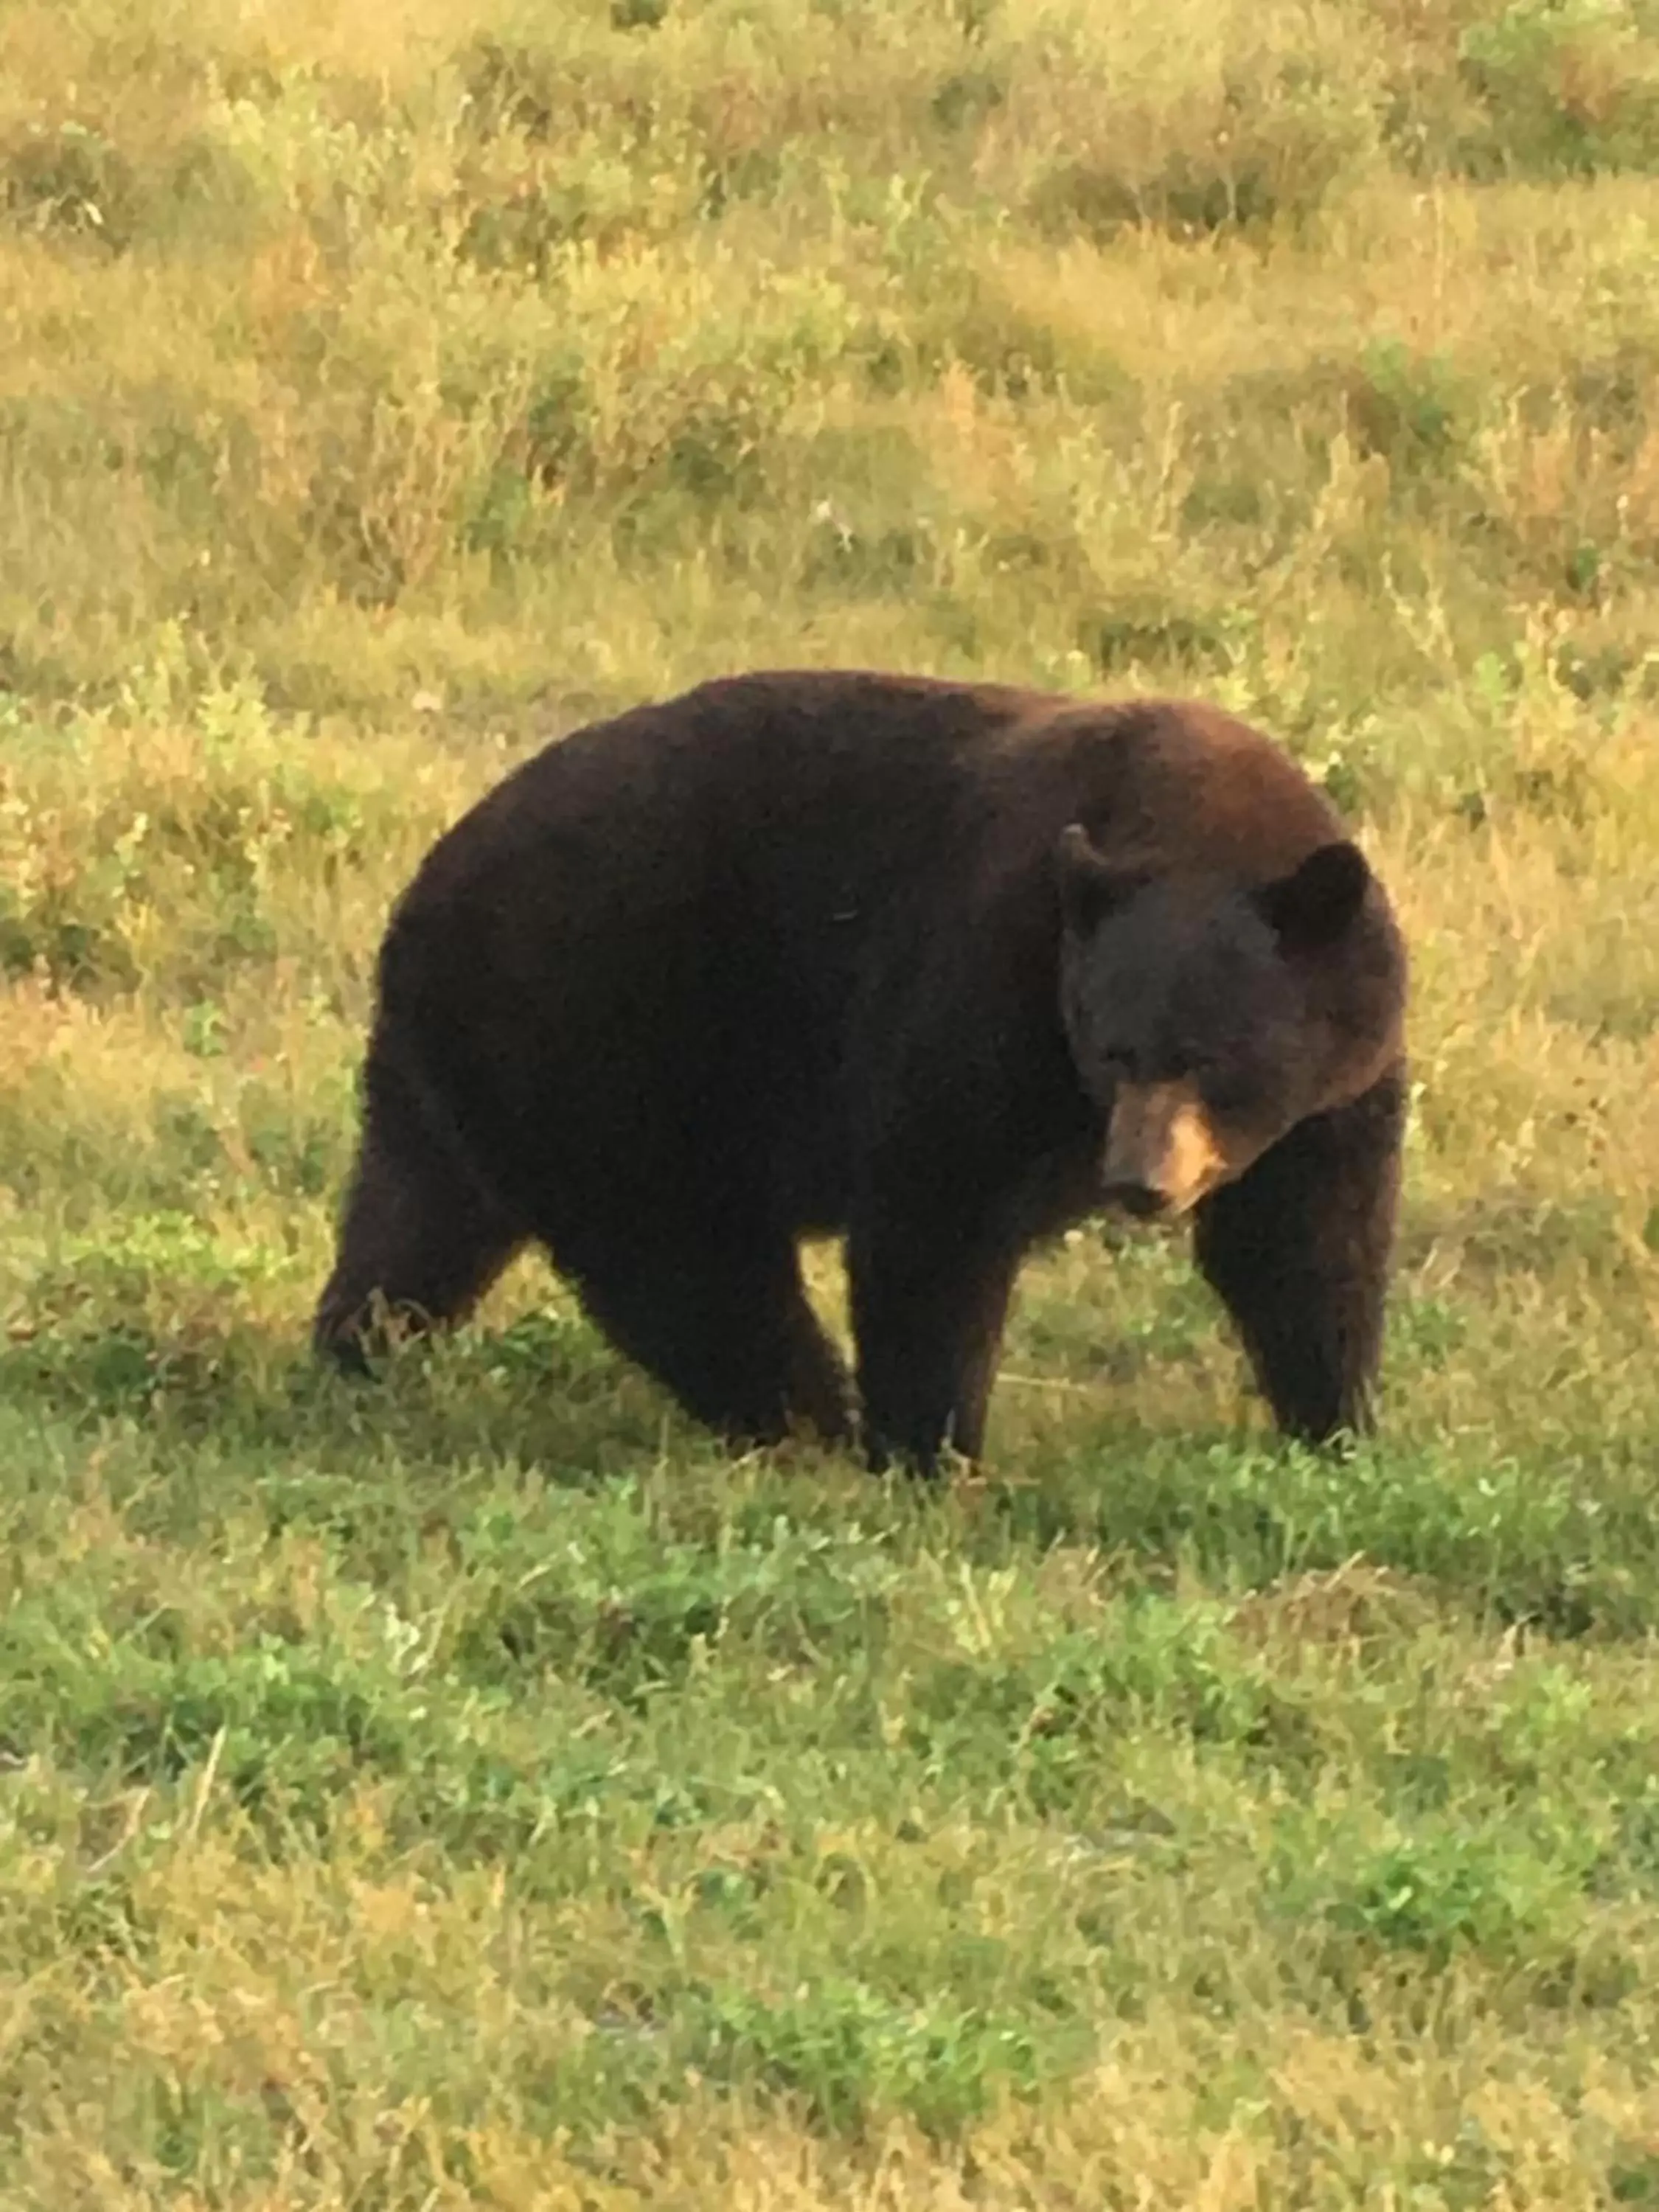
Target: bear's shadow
[(544, 1394), (443, 1429)]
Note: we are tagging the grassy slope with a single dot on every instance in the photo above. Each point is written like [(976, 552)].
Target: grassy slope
[(482, 1791)]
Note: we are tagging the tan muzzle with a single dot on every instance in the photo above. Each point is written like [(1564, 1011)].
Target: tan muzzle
[(1162, 1153)]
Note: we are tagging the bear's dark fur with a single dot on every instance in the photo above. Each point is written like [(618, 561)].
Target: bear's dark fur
[(944, 967)]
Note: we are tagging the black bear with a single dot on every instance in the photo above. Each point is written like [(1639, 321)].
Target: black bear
[(942, 967)]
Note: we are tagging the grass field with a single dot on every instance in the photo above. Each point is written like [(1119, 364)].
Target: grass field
[(480, 1790)]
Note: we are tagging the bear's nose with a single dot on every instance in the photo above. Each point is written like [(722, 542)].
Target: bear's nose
[(1138, 1199)]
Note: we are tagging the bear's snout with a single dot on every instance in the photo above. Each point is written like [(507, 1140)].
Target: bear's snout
[(1162, 1153)]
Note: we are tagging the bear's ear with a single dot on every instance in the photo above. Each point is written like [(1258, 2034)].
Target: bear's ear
[(1314, 904), (1089, 886)]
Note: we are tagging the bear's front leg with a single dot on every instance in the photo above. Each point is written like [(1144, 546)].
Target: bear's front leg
[(927, 1316), (1298, 1250)]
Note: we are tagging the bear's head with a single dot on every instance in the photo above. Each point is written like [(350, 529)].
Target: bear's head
[(1205, 1019)]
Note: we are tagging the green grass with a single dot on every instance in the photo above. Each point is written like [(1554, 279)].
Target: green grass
[(480, 1790)]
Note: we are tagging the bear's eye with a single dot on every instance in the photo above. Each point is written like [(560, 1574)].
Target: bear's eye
[(1225, 1089)]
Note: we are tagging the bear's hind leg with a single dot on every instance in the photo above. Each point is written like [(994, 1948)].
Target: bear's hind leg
[(420, 1238), (1298, 1251), (726, 1328)]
